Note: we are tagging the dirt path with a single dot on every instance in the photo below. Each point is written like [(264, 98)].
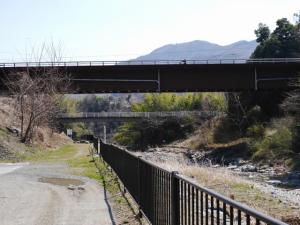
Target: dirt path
[(44, 194)]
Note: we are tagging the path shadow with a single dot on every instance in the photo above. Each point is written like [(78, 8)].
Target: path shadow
[(111, 215)]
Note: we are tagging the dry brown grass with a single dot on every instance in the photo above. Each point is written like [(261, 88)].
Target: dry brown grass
[(6, 112), (45, 137), (10, 143), (234, 186), (203, 136)]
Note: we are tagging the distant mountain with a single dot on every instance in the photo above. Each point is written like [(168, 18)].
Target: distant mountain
[(202, 50)]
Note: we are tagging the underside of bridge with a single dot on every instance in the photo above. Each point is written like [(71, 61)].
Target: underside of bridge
[(175, 78)]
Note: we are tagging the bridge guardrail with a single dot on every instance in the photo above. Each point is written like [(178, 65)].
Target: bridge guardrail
[(146, 62), (138, 114), (168, 198)]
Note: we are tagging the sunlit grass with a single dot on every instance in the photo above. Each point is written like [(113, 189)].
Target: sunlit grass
[(38, 154)]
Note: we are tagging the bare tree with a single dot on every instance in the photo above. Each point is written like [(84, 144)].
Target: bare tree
[(236, 111), (36, 94)]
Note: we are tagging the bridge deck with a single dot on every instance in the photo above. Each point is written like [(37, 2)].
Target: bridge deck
[(91, 116), (170, 75)]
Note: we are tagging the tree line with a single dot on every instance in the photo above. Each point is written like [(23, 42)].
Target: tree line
[(149, 133)]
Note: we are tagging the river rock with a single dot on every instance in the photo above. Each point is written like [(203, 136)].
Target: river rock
[(232, 167), (216, 166), (71, 187), (248, 168), (274, 182)]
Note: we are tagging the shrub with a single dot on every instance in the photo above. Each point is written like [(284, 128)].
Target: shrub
[(226, 131), (256, 131), (140, 135), (277, 145)]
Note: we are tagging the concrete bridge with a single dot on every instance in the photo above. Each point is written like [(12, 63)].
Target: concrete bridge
[(170, 75), (132, 116)]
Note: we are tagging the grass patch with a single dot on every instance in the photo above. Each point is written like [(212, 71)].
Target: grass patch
[(276, 142), (94, 168), (3, 132), (39, 154)]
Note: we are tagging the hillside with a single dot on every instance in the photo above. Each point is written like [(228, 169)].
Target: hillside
[(10, 146), (202, 50)]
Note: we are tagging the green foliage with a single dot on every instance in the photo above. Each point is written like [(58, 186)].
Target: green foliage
[(92, 103), (296, 137), (214, 101), (39, 154), (291, 106), (256, 131), (128, 135), (262, 33), (68, 105), (140, 135), (79, 130), (168, 102), (276, 144), (174, 102), (284, 42), (150, 133), (294, 162)]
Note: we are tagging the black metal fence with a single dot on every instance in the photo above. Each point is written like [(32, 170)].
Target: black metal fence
[(167, 198)]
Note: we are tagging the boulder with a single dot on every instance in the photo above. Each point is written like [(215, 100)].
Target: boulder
[(13, 130)]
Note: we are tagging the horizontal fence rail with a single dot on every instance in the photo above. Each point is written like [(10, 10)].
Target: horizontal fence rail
[(147, 62), (138, 114), (167, 198)]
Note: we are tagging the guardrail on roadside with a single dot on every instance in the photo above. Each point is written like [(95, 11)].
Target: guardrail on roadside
[(168, 198)]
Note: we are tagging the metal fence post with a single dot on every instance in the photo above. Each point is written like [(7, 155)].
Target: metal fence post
[(175, 199), (98, 146), (139, 185)]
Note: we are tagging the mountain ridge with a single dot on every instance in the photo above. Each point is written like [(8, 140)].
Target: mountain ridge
[(200, 49)]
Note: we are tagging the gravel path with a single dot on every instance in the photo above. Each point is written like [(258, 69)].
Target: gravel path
[(28, 196)]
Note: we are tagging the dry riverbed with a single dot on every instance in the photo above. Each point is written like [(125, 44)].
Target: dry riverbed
[(282, 203)]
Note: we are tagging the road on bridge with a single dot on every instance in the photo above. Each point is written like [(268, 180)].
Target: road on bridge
[(44, 194)]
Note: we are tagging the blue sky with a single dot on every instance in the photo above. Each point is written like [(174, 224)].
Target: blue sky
[(125, 29)]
